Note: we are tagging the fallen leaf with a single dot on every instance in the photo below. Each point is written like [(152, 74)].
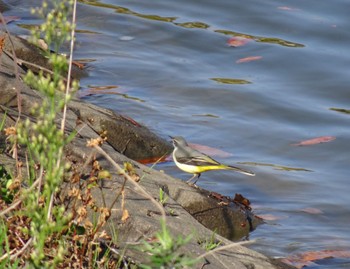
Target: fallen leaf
[(307, 258), (316, 140), (125, 215), (2, 43), (237, 41), (271, 217), (311, 210), (240, 199), (79, 64), (287, 8), (248, 59), (126, 38)]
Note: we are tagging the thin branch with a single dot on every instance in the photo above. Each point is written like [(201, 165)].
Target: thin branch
[(14, 256), (17, 202), (235, 244), (69, 65), (135, 184)]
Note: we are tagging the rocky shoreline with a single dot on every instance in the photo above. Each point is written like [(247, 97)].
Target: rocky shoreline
[(196, 211)]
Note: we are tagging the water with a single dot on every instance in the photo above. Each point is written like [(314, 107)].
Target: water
[(161, 65)]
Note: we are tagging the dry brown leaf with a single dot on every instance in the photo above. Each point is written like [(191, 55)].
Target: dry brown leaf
[(125, 215)]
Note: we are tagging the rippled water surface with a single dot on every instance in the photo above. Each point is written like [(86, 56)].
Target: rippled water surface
[(168, 65)]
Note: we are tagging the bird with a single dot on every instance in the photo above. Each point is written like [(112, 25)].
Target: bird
[(194, 162)]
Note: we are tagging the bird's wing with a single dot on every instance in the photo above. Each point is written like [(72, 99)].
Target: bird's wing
[(200, 160)]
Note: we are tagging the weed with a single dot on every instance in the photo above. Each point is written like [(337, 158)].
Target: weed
[(166, 252), (209, 243), (162, 197)]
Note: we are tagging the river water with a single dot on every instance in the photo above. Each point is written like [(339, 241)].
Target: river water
[(168, 65)]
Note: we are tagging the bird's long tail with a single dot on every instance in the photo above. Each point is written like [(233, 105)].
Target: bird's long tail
[(240, 170)]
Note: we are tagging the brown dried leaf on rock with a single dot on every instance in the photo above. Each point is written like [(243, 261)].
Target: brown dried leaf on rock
[(2, 43), (240, 199), (125, 215), (130, 170)]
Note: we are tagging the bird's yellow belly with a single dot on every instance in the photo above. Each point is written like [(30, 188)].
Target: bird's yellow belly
[(188, 168), (192, 169)]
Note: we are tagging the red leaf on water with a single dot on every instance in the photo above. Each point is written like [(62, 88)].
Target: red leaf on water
[(287, 8), (211, 151), (307, 258), (271, 217), (248, 59), (311, 210), (316, 140), (79, 64), (237, 41)]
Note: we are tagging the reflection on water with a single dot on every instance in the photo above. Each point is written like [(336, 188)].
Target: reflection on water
[(197, 24)]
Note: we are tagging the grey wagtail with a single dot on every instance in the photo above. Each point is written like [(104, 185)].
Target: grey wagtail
[(194, 162)]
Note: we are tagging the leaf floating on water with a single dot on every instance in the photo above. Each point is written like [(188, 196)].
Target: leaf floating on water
[(314, 141), (341, 110), (211, 151), (308, 258), (288, 8), (311, 210), (271, 217), (277, 167), (126, 38), (249, 59), (237, 41), (78, 64), (231, 81)]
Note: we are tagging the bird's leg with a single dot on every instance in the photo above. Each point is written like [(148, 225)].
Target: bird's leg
[(189, 181), (194, 175)]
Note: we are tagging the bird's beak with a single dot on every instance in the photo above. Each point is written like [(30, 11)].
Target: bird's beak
[(171, 137)]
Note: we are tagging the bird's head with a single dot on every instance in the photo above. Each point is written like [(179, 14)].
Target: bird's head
[(178, 141)]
